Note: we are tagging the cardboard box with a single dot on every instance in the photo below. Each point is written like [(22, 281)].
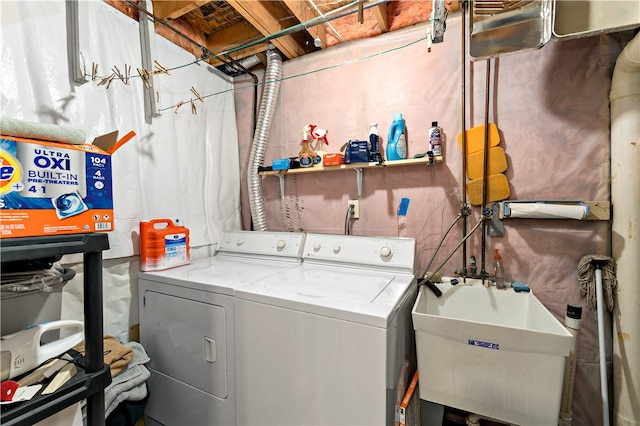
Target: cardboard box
[(49, 188), (333, 160), (408, 411)]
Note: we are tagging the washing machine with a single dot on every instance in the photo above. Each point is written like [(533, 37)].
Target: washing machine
[(330, 341), (187, 326)]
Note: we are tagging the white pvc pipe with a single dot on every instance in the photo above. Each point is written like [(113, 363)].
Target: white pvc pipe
[(604, 384), (625, 197)]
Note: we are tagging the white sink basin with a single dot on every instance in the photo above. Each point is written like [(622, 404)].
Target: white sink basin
[(492, 352)]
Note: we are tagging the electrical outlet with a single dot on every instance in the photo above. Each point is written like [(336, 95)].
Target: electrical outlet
[(356, 208)]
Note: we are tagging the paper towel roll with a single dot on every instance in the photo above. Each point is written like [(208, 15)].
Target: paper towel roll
[(548, 211)]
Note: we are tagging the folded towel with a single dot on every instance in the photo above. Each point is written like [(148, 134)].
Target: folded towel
[(116, 355), (132, 388), (41, 131), (130, 385)]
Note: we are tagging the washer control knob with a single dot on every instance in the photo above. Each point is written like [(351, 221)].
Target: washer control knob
[(240, 242), (281, 244), (316, 247), (337, 248), (386, 252)]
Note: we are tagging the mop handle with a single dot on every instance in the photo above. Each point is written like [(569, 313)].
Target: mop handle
[(603, 360)]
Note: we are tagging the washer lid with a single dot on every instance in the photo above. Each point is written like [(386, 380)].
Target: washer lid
[(349, 293), (220, 274)]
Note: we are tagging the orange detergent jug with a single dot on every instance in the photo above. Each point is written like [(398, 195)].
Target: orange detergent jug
[(163, 245)]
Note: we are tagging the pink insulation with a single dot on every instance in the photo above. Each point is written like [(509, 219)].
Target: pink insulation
[(400, 14)]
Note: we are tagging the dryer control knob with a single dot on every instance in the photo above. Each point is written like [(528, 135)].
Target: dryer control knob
[(336, 249), (386, 252), (281, 244), (240, 242), (316, 247)]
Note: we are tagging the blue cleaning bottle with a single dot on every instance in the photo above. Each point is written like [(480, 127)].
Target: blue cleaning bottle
[(397, 141)]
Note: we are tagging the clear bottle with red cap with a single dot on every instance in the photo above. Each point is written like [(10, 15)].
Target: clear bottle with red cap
[(498, 270)]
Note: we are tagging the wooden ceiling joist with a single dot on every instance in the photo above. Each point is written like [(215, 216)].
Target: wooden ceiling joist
[(199, 26), (266, 17), (231, 37), (380, 12), (174, 9)]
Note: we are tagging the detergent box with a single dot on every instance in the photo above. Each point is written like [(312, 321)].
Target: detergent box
[(51, 188), (356, 152)]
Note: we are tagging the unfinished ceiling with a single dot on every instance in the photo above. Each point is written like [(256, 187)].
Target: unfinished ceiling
[(227, 31)]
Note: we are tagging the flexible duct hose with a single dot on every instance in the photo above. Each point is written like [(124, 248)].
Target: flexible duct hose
[(272, 77), (247, 63), (625, 197)]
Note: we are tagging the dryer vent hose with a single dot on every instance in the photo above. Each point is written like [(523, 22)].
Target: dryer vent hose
[(272, 77)]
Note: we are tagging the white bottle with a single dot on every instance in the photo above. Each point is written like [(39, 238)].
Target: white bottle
[(435, 139), (498, 271)]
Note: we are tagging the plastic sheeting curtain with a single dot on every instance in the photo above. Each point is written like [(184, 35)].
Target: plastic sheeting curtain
[(183, 165)]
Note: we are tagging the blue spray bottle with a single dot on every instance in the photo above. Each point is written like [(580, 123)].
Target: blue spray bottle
[(397, 141)]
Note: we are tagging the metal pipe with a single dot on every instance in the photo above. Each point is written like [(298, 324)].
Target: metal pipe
[(485, 171), (333, 30), (464, 137), (435, 252), (334, 14), (241, 66), (322, 19), (480, 222), (208, 54)]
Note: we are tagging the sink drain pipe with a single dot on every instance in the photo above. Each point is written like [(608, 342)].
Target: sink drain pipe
[(272, 77)]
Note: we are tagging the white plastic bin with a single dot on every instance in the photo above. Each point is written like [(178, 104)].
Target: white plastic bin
[(20, 310)]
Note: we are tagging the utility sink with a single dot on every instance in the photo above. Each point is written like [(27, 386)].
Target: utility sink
[(496, 353)]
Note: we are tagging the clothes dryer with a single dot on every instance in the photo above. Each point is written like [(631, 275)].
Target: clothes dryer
[(187, 326), (330, 341)]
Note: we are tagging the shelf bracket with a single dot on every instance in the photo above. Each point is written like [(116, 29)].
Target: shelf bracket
[(281, 178), (432, 159), (359, 181)]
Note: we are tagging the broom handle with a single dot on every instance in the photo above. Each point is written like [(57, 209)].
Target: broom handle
[(603, 359)]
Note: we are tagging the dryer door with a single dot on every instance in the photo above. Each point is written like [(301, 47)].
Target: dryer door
[(186, 340)]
